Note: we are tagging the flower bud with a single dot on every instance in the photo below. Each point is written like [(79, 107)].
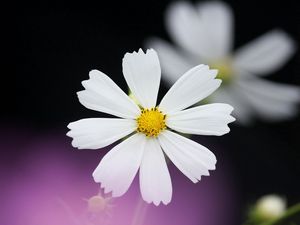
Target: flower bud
[(269, 207)]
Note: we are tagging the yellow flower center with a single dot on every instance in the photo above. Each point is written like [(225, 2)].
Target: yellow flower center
[(225, 71), (151, 122)]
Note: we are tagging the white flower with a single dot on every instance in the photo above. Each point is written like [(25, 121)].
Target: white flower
[(204, 33), (152, 128), (270, 207)]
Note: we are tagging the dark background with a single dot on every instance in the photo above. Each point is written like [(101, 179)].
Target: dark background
[(50, 48)]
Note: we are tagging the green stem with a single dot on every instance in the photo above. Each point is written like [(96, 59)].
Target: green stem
[(140, 212)]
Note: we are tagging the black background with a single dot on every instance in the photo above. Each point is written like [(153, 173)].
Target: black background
[(50, 48)]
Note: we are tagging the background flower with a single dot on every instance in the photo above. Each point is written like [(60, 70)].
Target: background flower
[(204, 33)]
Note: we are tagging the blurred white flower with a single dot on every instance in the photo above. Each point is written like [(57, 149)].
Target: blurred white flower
[(149, 126), (270, 207), (204, 33)]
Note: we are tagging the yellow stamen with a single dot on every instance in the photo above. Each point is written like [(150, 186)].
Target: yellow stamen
[(151, 122)]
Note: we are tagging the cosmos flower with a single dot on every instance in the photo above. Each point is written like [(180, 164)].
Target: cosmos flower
[(204, 33), (149, 128)]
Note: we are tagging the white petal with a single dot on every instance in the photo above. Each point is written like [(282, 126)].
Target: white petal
[(195, 85), (103, 95), (217, 17), (173, 62), (211, 119), (119, 166), (233, 95), (142, 74), (191, 158), (97, 133), (266, 54), (155, 179), (270, 100), (204, 32)]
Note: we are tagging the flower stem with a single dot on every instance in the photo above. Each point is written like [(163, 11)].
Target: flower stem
[(140, 212)]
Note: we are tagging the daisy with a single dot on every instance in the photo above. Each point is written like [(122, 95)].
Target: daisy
[(204, 33), (151, 129)]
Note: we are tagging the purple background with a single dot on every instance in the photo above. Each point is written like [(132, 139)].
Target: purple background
[(49, 185)]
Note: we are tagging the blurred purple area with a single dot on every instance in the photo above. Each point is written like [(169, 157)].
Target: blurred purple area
[(44, 181)]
